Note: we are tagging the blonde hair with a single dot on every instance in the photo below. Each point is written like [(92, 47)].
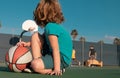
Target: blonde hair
[(48, 11)]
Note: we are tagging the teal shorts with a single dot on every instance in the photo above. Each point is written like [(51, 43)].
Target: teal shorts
[(49, 64)]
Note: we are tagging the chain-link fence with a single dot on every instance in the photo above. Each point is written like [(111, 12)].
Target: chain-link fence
[(109, 54)]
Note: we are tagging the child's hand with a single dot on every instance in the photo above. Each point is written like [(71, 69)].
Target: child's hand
[(55, 72), (23, 44)]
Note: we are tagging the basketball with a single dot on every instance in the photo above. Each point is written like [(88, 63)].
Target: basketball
[(17, 58)]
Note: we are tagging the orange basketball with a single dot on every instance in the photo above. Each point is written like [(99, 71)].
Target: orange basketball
[(17, 58)]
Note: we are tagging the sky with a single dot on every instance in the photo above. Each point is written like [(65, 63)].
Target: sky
[(93, 19)]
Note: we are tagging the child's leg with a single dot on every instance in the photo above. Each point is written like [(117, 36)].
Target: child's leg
[(36, 45), (38, 66), (37, 63)]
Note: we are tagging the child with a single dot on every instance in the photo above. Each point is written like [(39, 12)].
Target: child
[(92, 58), (92, 53), (51, 51), (74, 57)]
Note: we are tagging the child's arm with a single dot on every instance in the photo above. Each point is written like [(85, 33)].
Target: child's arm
[(56, 54)]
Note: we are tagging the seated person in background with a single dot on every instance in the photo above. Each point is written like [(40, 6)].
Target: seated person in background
[(92, 53), (92, 58)]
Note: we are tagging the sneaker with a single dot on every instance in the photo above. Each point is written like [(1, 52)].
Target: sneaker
[(63, 70), (27, 70)]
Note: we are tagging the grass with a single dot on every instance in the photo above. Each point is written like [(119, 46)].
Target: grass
[(71, 72)]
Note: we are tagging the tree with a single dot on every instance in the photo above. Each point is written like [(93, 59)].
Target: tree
[(74, 34), (82, 39), (116, 41)]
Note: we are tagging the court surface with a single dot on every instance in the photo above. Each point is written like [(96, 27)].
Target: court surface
[(71, 72)]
